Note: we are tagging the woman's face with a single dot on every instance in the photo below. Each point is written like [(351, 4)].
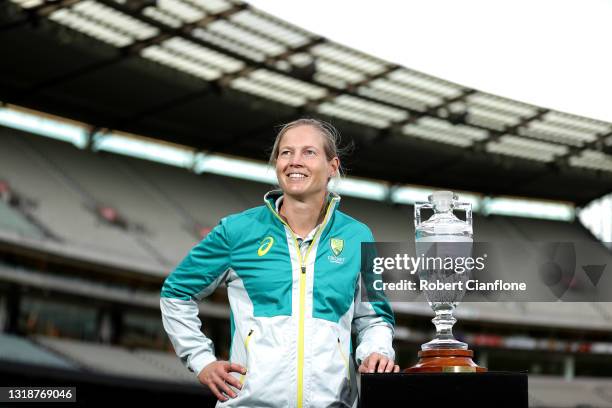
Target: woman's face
[(302, 167)]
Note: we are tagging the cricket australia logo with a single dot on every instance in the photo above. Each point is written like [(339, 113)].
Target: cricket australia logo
[(337, 245)]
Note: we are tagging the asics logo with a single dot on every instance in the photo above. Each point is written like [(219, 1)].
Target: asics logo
[(265, 246)]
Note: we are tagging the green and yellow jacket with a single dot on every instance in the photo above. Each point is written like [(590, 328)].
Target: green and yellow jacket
[(293, 304)]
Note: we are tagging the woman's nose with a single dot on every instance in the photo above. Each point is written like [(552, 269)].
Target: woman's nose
[(296, 159)]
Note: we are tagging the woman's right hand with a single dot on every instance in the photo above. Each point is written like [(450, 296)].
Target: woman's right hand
[(217, 376)]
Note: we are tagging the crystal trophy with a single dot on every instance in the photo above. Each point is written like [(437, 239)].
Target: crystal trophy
[(440, 239)]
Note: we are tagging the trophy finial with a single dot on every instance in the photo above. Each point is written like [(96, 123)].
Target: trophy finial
[(442, 201)]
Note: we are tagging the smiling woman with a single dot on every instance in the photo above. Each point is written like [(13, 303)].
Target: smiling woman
[(306, 158), (327, 136), (292, 271)]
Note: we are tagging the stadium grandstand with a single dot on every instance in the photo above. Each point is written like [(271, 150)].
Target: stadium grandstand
[(128, 128)]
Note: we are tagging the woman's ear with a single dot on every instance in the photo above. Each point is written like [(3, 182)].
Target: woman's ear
[(335, 165)]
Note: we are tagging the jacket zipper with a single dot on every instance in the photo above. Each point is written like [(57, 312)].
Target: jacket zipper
[(300, 379), (246, 347), (346, 363)]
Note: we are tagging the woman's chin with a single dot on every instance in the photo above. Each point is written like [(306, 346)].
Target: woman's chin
[(296, 190), (296, 186)]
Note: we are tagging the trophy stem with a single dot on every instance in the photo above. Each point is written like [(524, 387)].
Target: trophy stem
[(445, 354), (444, 322)]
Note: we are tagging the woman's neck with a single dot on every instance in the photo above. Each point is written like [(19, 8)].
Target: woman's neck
[(303, 216)]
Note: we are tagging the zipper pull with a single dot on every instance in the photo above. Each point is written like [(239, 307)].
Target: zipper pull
[(303, 269)]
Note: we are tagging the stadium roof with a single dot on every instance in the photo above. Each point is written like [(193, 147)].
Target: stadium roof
[(219, 75)]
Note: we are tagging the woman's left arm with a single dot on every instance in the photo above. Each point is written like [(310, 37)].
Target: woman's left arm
[(373, 321)]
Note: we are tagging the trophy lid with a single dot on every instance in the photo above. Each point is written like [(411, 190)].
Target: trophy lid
[(442, 200)]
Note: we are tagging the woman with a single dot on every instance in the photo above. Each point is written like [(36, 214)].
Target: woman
[(292, 272)]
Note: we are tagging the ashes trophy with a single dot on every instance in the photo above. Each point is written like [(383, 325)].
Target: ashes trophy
[(444, 237)]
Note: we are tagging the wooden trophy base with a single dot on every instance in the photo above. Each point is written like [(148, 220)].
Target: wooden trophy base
[(445, 361)]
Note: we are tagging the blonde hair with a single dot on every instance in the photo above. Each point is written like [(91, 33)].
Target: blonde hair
[(330, 135)]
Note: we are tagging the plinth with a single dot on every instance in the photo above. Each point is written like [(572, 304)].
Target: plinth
[(474, 390), (446, 361)]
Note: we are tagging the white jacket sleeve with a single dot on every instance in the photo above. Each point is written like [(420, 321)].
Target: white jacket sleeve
[(373, 321), (181, 322), (197, 276)]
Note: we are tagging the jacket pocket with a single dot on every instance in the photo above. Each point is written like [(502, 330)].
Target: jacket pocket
[(247, 344), (347, 366)]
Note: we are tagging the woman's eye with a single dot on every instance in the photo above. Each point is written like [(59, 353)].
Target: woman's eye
[(285, 153)]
